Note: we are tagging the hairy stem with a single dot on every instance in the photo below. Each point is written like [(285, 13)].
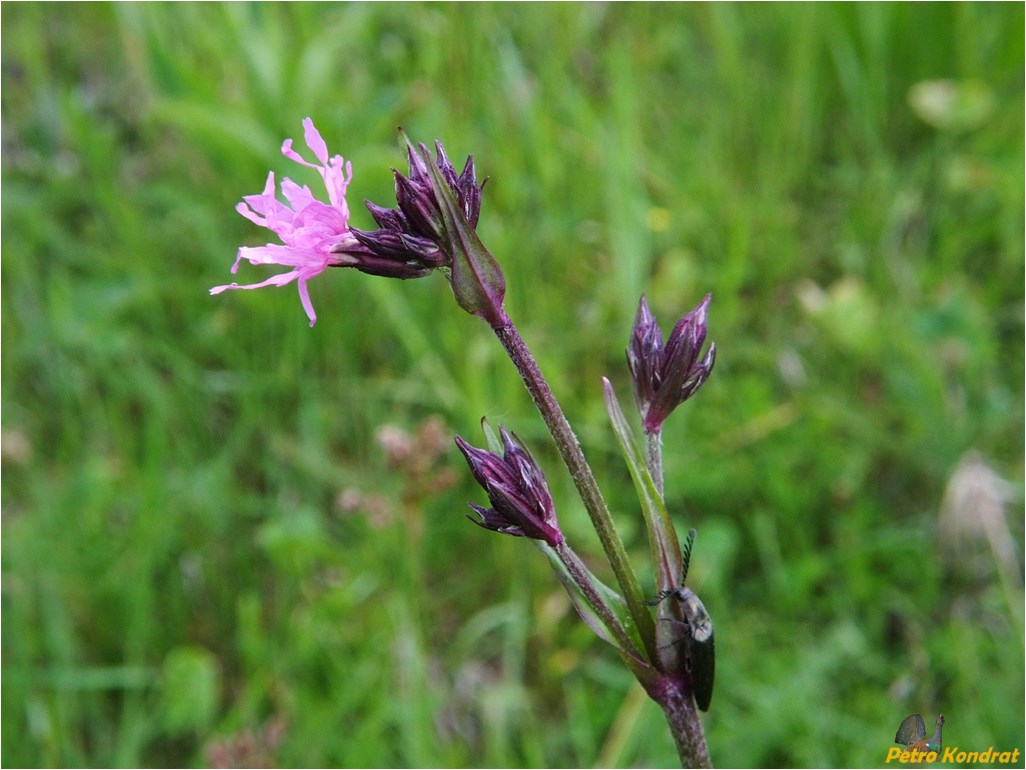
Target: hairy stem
[(579, 574), (570, 450), (686, 727), (654, 457)]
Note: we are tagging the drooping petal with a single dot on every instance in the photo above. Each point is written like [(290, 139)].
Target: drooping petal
[(275, 280), (304, 299)]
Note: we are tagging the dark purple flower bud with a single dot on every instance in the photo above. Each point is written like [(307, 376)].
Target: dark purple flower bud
[(468, 192), (387, 219), (521, 503), (445, 166), (645, 354), (418, 206), (379, 263), (401, 247), (466, 188), (667, 376)]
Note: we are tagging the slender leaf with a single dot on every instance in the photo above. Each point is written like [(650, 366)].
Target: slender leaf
[(662, 535), (603, 628)]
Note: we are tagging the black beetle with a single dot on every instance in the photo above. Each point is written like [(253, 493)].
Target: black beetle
[(700, 655)]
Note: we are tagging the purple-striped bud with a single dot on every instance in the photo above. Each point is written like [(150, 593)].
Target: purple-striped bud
[(667, 376), (379, 262), (417, 204), (398, 246), (521, 503)]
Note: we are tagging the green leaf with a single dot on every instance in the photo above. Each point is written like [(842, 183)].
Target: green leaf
[(618, 630), (662, 535), (492, 439)]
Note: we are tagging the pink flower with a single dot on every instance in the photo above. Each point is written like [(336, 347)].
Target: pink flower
[(307, 227)]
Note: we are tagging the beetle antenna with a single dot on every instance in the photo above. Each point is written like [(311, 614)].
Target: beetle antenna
[(686, 562), (660, 596), (687, 555)]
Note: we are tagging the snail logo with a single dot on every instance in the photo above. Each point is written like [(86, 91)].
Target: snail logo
[(912, 733)]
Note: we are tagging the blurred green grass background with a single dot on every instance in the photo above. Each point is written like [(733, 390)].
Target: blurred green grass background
[(214, 549)]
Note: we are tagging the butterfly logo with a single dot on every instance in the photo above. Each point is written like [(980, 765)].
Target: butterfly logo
[(912, 733)]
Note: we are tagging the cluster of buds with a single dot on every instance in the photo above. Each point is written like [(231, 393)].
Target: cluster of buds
[(434, 225), (666, 376), (521, 502), (414, 232)]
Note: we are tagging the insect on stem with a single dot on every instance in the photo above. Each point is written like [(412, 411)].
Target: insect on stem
[(700, 644)]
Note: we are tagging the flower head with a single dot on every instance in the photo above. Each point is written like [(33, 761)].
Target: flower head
[(311, 231), (521, 503), (666, 376)]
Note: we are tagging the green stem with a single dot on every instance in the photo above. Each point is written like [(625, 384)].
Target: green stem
[(579, 574), (570, 450), (654, 457)]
